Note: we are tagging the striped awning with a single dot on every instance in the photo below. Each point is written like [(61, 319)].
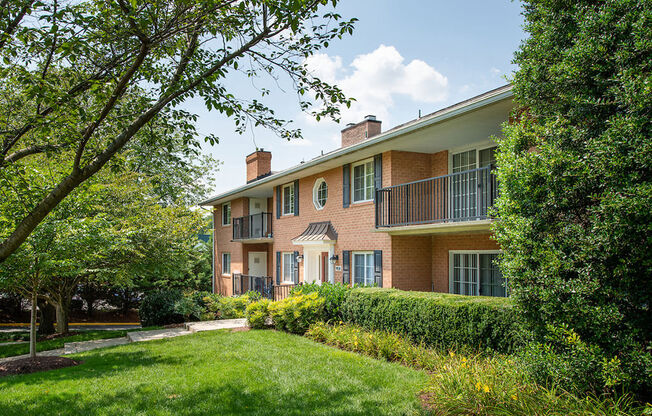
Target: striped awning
[(316, 232)]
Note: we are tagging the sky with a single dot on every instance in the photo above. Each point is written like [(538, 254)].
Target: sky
[(403, 57)]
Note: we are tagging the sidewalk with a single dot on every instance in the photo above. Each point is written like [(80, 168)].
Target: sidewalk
[(139, 336)]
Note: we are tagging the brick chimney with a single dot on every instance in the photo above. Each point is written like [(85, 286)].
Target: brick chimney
[(259, 165), (355, 133)]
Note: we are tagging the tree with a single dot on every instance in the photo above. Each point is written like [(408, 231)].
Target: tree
[(69, 82), (575, 168)]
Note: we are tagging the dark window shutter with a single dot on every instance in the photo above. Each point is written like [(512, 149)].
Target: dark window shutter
[(346, 267), (278, 202), (378, 267), (346, 185), (378, 174), (295, 267), (296, 197), (278, 267)]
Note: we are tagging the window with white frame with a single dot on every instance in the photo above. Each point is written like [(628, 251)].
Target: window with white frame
[(287, 267), (464, 184), (363, 268), (226, 213), (226, 263), (320, 193), (476, 274), (363, 181), (288, 199)]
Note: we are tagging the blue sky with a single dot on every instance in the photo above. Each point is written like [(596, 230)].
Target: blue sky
[(404, 56)]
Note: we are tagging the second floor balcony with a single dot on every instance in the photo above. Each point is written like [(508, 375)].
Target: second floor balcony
[(253, 227), (455, 198)]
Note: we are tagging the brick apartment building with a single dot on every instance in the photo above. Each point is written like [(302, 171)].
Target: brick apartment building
[(404, 208)]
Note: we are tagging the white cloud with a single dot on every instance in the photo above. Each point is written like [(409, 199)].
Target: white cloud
[(376, 78), (495, 71)]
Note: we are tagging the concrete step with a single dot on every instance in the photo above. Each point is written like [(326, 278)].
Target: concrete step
[(138, 336), (74, 347), (215, 325)]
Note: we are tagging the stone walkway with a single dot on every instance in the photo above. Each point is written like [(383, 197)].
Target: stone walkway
[(139, 336)]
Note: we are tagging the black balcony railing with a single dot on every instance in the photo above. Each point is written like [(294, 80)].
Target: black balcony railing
[(461, 196), (253, 226), (261, 284)]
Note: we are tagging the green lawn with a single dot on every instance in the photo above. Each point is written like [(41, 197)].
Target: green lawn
[(52, 344), (218, 373)]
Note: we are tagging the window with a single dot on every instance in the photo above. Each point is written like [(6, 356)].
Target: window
[(477, 274), (320, 193), (226, 214), (288, 268), (465, 185), (363, 181), (226, 263), (288, 199), (363, 268)]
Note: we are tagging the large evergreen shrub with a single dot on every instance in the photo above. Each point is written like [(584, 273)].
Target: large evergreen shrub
[(436, 319), (575, 170), (158, 308)]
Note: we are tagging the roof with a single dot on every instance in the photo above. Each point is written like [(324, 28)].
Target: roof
[(454, 110), (317, 231)]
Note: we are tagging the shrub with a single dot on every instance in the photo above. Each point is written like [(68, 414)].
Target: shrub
[(567, 362), (333, 294), (257, 314), (296, 313), (253, 295), (188, 307), (436, 319), (157, 308), (224, 307)]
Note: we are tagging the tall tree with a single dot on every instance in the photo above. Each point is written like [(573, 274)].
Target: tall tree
[(575, 168), (69, 81)]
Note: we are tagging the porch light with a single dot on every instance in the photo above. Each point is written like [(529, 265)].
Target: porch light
[(334, 258), (299, 258)]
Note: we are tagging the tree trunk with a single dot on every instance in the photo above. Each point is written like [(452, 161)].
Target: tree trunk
[(32, 327), (90, 301), (48, 316), (63, 315)]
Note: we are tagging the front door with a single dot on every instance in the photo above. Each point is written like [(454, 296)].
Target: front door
[(257, 263), (257, 220), (324, 267)]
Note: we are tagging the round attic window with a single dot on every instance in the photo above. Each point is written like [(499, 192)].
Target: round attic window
[(320, 193)]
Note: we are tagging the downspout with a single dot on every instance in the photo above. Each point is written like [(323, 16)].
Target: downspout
[(212, 248)]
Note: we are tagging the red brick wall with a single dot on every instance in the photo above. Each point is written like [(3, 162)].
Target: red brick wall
[(412, 267), (258, 164), (359, 132), (222, 240), (354, 225), (441, 244)]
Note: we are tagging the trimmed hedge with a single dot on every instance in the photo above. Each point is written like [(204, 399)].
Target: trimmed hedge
[(158, 308), (437, 319), (333, 295)]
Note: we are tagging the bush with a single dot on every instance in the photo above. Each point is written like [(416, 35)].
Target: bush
[(224, 307), (253, 295), (296, 313), (189, 307), (333, 294), (257, 314), (436, 319), (567, 362), (157, 308)]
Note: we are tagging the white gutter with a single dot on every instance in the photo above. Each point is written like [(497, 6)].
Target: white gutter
[(455, 110)]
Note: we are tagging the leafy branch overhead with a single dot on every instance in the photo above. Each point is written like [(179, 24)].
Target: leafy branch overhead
[(83, 78)]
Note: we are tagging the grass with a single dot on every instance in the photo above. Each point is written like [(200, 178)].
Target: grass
[(219, 373), (52, 344)]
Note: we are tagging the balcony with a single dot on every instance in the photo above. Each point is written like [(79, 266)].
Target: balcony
[(253, 228), (448, 202)]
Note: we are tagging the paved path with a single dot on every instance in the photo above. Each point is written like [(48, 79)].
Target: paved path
[(139, 336)]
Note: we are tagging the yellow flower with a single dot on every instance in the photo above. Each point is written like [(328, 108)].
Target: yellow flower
[(486, 388), (514, 397), (452, 353), (463, 359), (478, 386)]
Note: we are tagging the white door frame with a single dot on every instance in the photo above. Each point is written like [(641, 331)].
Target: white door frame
[(311, 257)]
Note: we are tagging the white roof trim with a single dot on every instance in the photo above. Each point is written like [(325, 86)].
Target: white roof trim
[(466, 106)]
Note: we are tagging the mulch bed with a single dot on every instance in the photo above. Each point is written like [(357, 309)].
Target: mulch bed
[(33, 365), (241, 329)]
